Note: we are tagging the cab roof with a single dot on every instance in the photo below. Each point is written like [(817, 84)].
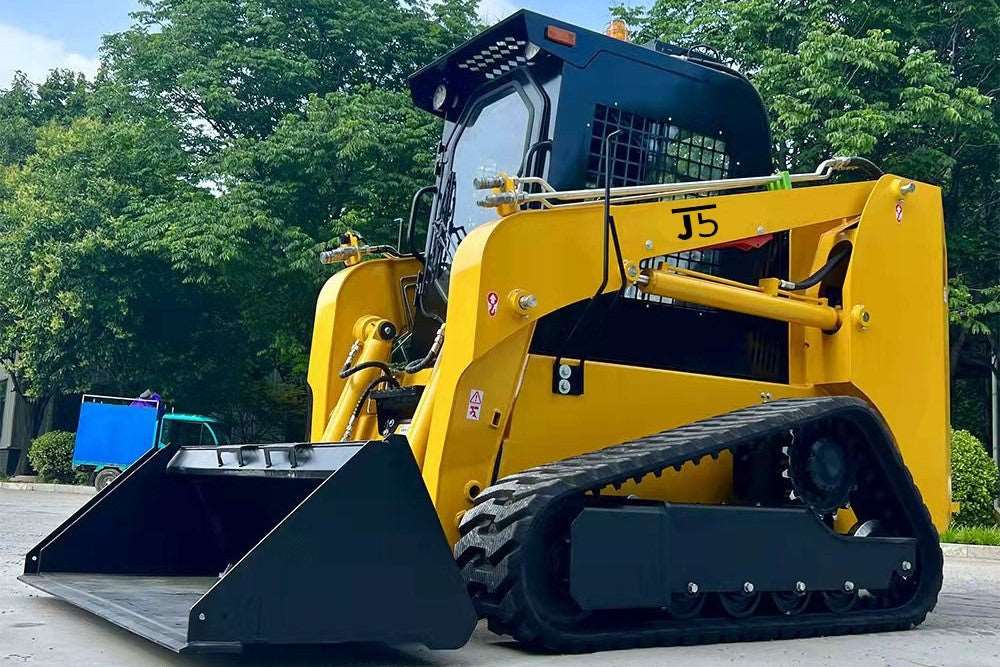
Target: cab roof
[(502, 48)]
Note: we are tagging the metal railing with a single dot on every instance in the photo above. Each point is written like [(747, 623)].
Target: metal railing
[(549, 197)]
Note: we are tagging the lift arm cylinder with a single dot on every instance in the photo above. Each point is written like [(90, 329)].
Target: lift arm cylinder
[(740, 299)]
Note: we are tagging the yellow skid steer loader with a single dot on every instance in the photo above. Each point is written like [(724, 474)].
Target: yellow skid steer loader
[(632, 389)]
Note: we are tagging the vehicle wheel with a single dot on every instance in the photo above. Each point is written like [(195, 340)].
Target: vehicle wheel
[(104, 477)]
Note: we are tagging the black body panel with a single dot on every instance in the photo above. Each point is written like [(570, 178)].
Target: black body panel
[(719, 548), (206, 550)]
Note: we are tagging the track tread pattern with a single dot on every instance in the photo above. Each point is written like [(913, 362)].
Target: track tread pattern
[(493, 556)]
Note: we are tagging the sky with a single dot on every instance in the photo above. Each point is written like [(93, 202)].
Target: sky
[(38, 35)]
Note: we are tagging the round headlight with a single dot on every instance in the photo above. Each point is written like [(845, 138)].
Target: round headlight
[(440, 97)]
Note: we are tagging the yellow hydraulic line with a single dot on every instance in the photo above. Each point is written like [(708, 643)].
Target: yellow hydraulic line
[(744, 299), (374, 346)]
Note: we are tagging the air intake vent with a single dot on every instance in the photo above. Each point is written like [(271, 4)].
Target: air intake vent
[(497, 59)]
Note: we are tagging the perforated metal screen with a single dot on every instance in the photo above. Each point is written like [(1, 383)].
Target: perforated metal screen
[(649, 151)]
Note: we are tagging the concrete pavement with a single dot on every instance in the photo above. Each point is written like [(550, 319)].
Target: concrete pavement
[(36, 629)]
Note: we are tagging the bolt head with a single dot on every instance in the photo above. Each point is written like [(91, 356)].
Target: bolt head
[(692, 588), (906, 566), (528, 301), (649, 244), (760, 230), (848, 586), (565, 371), (800, 587), (748, 588), (201, 616), (564, 386)]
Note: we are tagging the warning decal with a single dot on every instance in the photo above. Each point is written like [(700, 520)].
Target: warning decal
[(475, 409), (492, 301), (899, 211)]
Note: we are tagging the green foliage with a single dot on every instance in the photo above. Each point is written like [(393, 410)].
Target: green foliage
[(71, 297), (985, 535), (51, 455), (239, 67), (159, 225), (973, 309), (974, 482), (26, 108)]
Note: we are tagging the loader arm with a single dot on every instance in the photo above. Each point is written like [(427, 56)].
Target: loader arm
[(555, 255)]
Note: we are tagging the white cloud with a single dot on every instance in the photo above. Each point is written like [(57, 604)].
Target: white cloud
[(492, 11), (35, 55)]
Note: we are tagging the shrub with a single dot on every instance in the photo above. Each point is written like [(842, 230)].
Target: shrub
[(51, 454), (974, 480), (987, 535)]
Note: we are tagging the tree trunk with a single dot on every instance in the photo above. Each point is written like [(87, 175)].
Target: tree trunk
[(36, 414), (956, 350)]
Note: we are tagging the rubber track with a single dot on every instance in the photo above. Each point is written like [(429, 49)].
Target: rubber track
[(496, 534)]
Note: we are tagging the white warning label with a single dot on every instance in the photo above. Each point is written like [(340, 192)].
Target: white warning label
[(475, 409)]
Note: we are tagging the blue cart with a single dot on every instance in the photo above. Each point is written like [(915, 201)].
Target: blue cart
[(113, 432)]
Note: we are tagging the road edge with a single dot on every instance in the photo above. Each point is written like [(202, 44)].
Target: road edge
[(49, 488), (971, 551)]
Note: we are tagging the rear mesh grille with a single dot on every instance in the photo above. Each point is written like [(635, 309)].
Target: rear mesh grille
[(649, 151)]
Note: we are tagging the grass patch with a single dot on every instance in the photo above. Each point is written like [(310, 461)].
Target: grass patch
[(988, 535)]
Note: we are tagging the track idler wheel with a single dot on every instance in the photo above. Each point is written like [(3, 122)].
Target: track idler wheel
[(822, 473), (840, 602), (790, 603), (686, 605), (741, 604)]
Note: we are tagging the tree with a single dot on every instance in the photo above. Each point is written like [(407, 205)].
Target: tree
[(231, 69), (296, 117), (26, 107), (908, 85), (71, 291), (160, 225)]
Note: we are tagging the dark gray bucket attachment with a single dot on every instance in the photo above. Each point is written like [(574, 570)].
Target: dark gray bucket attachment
[(318, 544)]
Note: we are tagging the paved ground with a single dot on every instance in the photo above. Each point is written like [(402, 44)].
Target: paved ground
[(36, 629)]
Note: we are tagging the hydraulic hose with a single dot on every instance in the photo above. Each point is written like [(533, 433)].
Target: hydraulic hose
[(365, 395), (386, 371), (837, 257), (863, 165), (428, 360)]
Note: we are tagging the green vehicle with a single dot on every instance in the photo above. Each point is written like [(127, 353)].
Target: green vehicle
[(113, 432)]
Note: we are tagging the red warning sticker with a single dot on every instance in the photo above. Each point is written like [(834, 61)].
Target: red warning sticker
[(492, 301), (475, 408), (899, 211)]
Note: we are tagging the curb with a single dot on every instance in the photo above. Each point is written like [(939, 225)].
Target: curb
[(970, 551), (49, 488), (973, 551)]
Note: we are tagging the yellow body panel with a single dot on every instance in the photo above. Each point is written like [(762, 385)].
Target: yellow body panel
[(895, 359), (369, 289)]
